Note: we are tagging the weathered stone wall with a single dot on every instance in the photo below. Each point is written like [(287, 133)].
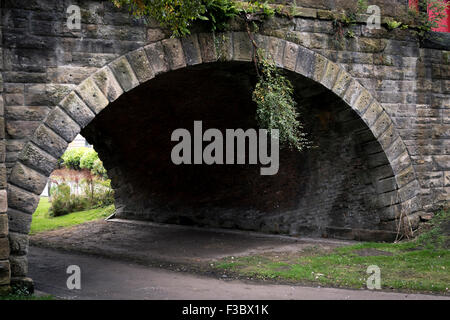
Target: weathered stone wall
[(5, 273), (43, 62)]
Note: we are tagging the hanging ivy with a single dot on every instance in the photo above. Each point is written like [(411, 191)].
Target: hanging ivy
[(276, 107)]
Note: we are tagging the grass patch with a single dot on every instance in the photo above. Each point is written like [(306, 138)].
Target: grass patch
[(422, 264), (23, 294), (43, 222)]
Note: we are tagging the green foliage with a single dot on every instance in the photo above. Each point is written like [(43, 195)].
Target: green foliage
[(98, 169), (425, 22), (175, 15), (179, 15), (362, 6), (392, 24), (438, 234), (97, 194), (72, 158), (84, 158), (63, 202), (260, 7), (276, 107), (218, 13), (88, 158)]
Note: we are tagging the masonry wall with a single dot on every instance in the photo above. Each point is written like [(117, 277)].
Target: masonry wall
[(5, 273), (43, 61)]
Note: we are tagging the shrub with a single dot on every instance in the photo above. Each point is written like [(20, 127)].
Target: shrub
[(72, 158), (88, 158), (104, 194), (63, 202), (84, 158)]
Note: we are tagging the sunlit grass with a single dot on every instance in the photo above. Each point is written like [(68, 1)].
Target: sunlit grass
[(42, 221), (422, 264)]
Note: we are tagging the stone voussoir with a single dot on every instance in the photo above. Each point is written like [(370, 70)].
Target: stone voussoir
[(60, 122), (38, 159), (124, 73), (191, 48), (290, 56), (21, 199), (19, 221), (208, 50), (141, 66), (49, 141), (174, 52), (107, 83), (27, 178), (242, 47), (92, 96), (157, 57), (77, 109)]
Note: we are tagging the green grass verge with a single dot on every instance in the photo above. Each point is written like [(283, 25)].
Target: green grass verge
[(26, 297), (419, 265), (43, 222), (17, 293)]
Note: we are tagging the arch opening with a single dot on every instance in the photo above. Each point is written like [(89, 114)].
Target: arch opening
[(341, 188)]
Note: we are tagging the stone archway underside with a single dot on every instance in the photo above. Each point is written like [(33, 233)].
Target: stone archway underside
[(80, 107)]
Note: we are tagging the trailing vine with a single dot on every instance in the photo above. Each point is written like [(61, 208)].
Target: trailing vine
[(273, 94)]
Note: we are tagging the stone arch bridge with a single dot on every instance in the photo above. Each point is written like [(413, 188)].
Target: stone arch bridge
[(377, 106)]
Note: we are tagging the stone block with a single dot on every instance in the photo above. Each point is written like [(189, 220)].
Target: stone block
[(174, 53), (381, 125), (372, 113), (3, 224), (4, 248), (5, 273), (38, 159), (362, 102), (191, 49), (157, 57), (306, 62), (331, 74), (27, 178), (18, 243), (3, 202), (124, 73), (243, 48), (224, 46), (49, 141), (320, 64), (207, 47), (352, 93), (141, 66), (395, 150), (21, 199), (290, 56), (77, 109), (62, 124), (92, 96), (405, 177), (107, 83), (19, 266), (388, 137)]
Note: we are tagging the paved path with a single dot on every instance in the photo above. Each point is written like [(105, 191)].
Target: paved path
[(112, 279)]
